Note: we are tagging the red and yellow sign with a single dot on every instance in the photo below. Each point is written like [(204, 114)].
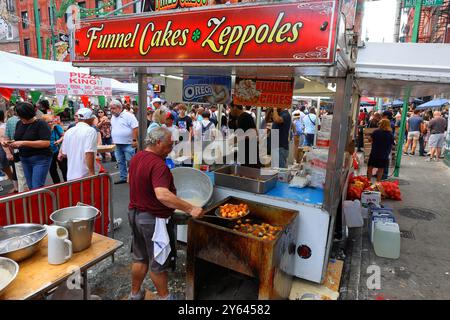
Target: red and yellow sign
[(161, 5), (294, 33), (275, 93)]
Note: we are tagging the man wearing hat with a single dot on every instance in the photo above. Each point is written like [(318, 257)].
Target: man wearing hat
[(124, 132), (80, 146)]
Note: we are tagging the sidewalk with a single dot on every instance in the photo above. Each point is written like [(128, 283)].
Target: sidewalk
[(423, 269)]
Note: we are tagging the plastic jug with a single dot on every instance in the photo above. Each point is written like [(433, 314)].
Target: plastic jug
[(352, 213), (382, 216), (386, 240), (59, 245)]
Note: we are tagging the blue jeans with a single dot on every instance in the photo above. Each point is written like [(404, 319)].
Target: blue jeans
[(124, 153), (108, 141), (309, 139), (35, 169), (282, 154)]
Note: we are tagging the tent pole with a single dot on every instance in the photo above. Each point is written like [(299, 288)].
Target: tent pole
[(142, 113), (401, 133)]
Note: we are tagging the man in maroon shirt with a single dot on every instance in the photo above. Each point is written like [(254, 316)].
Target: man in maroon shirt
[(153, 195)]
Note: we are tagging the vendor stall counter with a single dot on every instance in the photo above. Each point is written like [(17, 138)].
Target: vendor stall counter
[(312, 223)]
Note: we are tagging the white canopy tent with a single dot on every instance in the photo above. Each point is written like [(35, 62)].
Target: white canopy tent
[(20, 72), (389, 69)]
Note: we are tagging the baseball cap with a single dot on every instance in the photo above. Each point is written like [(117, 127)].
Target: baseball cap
[(85, 114), (170, 116), (156, 100), (296, 113)]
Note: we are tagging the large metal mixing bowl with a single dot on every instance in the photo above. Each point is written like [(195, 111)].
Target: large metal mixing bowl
[(12, 269), (20, 241), (192, 185)]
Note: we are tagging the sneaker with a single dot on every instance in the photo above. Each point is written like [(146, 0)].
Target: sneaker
[(405, 153), (139, 296), (120, 182), (117, 222), (429, 159), (411, 154)]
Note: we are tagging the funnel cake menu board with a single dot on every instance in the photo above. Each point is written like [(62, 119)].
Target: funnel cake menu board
[(294, 33)]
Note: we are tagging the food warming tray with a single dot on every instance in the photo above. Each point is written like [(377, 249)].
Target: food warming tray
[(245, 178)]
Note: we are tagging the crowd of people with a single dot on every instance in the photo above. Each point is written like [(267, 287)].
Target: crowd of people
[(36, 142), (425, 129)]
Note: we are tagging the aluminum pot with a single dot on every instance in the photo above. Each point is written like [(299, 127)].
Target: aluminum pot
[(20, 241), (12, 269), (79, 221)]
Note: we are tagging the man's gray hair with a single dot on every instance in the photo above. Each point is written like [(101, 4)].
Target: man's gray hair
[(157, 134), (116, 103)]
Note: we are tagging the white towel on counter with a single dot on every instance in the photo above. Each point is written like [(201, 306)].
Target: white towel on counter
[(161, 241)]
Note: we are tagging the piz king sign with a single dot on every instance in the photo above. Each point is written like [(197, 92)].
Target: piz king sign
[(291, 33)]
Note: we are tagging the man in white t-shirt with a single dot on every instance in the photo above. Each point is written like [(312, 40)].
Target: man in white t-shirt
[(309, 122), (124, 133), (80, 146)]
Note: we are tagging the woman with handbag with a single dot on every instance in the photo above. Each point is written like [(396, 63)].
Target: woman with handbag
[(104, 125), (32, 139)]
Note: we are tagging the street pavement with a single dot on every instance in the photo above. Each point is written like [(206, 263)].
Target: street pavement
[(421, 272), (423, 269)]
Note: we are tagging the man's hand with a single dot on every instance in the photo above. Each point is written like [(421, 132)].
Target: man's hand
[(16, 144), (196, 212), (10, 157), (134, 144)]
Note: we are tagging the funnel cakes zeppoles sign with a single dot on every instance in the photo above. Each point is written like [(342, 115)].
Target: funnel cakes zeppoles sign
[(293, 32)]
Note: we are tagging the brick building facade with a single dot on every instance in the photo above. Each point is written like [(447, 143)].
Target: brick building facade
[(9, 30), (434, 26), (27, 25)]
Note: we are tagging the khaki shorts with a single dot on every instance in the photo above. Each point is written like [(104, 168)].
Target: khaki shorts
[(413, 135), (142, 227)]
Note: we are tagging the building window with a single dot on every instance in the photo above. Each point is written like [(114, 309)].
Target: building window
[(98, 4), (50, 16), (26, 46), (25, 21), (10, 6), (137, 7), (82, 4), (9, 34)]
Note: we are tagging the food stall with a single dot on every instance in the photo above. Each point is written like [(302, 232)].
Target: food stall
[(284, 40)]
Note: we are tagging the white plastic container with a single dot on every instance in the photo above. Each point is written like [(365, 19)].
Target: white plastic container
[(352, 213), (386, 240), (379, 217)]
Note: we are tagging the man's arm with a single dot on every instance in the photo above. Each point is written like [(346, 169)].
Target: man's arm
[(90, 162), (135, 137), (276, 116), (170, 200)]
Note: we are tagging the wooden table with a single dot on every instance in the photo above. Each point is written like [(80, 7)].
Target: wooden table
[(36, 276)]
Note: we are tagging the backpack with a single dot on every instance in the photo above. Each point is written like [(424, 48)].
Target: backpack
[(206, 135)]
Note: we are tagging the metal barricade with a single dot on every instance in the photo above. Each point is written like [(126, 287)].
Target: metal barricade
[(35, 206), (94, 190)]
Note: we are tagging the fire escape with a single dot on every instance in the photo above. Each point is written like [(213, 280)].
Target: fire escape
[(434, 22)]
